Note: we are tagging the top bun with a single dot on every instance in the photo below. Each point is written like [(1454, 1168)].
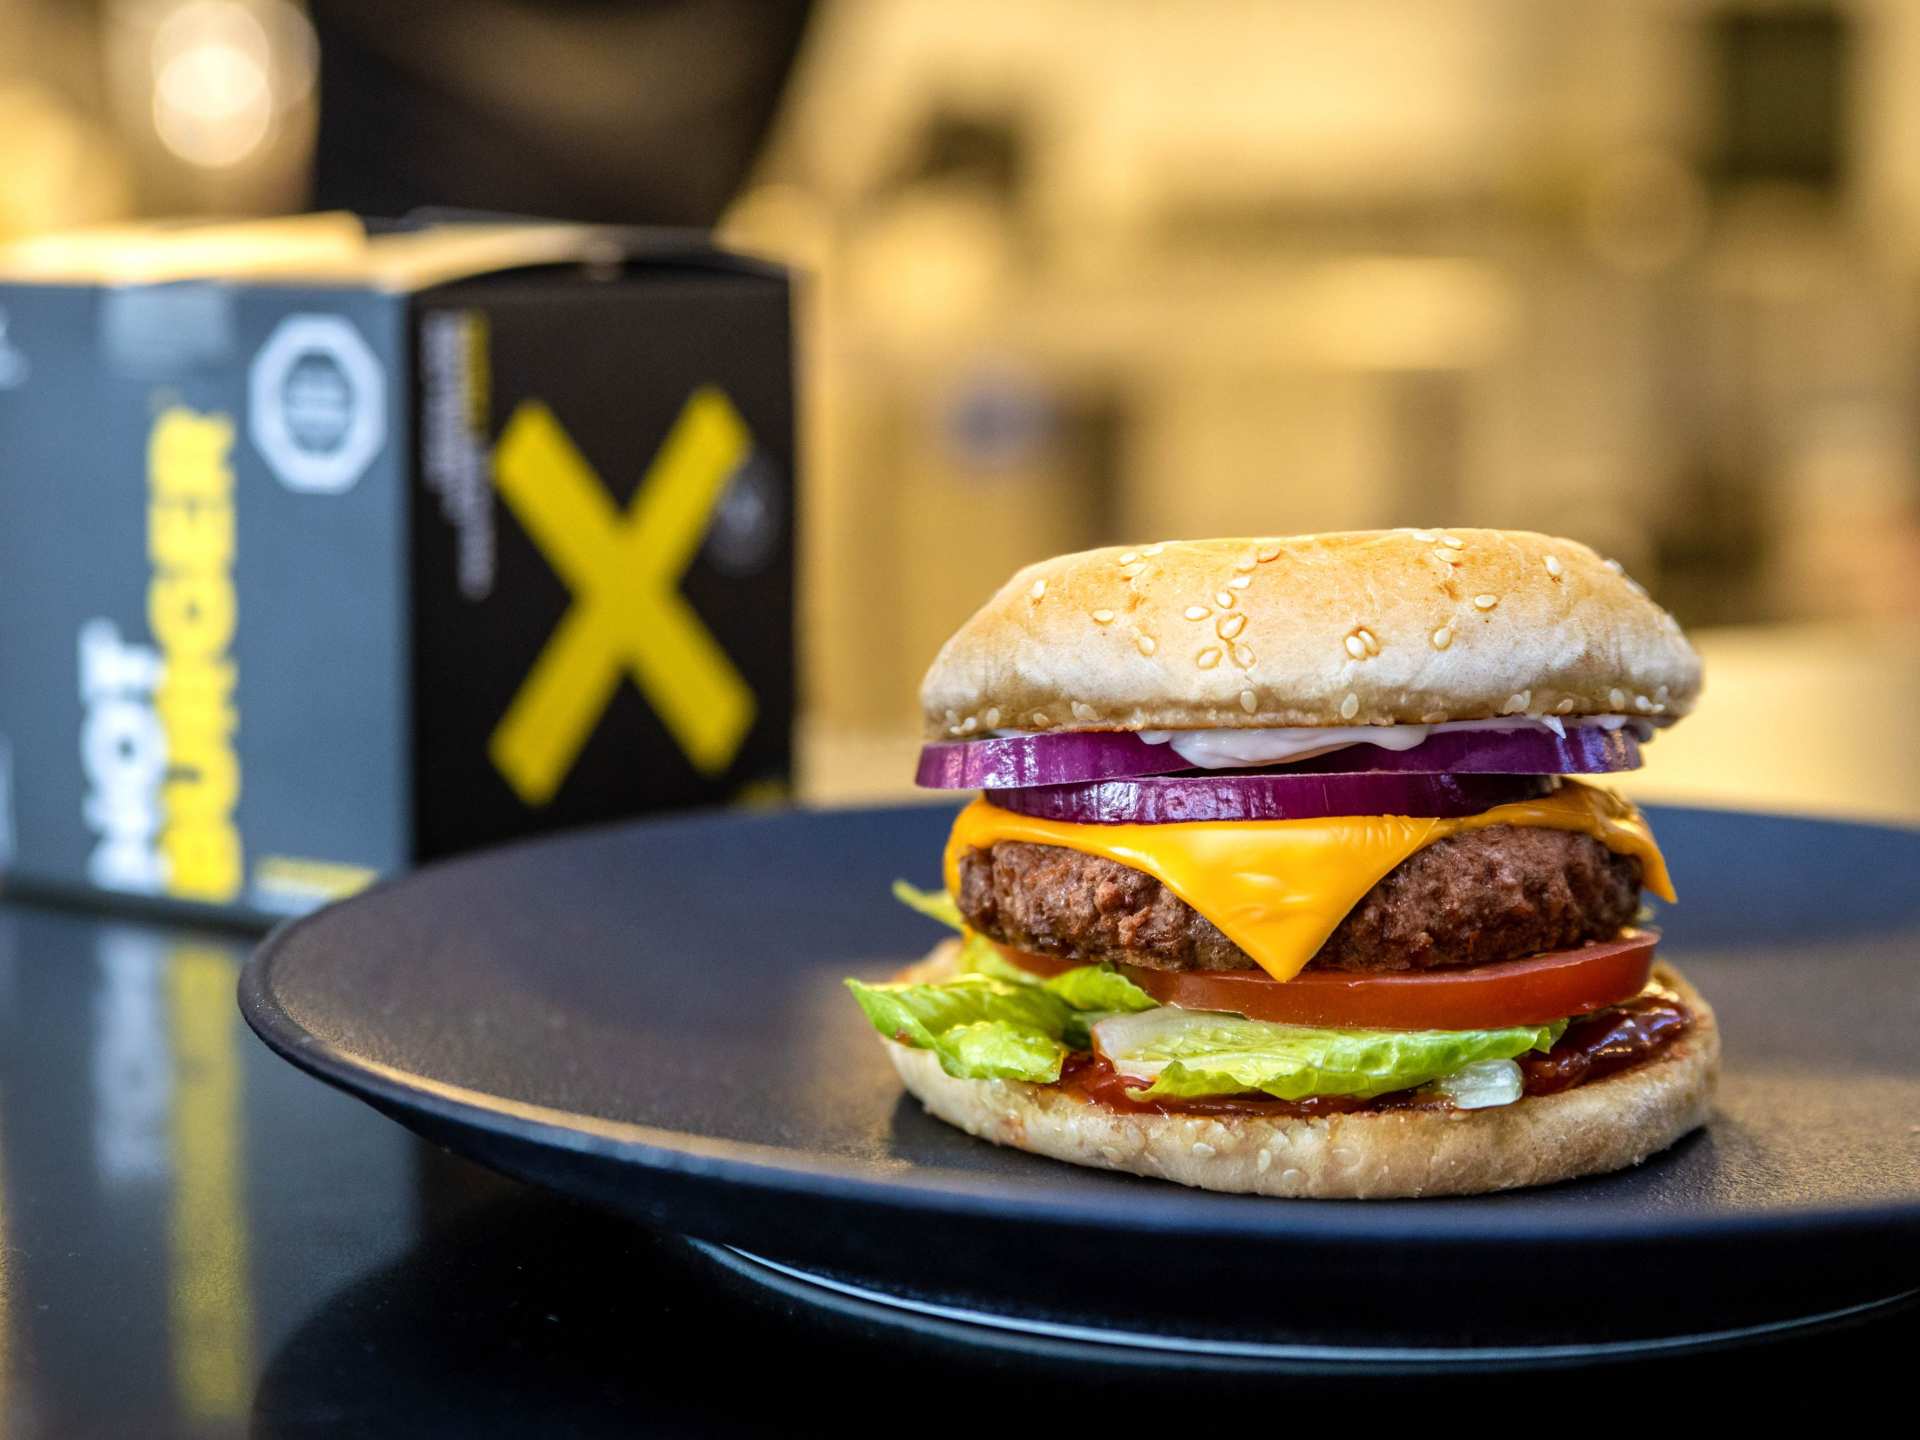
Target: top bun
[(1367, 627)]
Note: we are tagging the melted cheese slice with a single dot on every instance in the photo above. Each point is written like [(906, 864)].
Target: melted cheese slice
[(1278, 888)]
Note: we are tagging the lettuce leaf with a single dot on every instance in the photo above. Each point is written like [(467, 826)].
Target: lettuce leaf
[(1086, 987), (1193, 1052), (980, 1028), (999, 1050), (995, 1020), (1098, 987), (1093, 991)]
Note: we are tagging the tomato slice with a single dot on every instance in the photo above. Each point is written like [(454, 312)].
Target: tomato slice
[(1533, 991)]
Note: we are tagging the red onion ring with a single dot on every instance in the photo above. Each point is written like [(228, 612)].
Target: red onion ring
[(1168, 800), (1584, 750), (1074, 756), (1013, 761)]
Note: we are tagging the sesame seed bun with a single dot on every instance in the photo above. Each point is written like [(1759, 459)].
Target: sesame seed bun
[(1605, 1125), (1374, 627)]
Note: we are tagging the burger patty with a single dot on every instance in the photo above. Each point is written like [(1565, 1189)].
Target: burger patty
[(1494, 894)]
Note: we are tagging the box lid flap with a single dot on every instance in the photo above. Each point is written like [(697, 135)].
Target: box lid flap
[(337, 248)]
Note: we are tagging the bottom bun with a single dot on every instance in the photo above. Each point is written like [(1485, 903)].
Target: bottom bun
[(1604, 1125)]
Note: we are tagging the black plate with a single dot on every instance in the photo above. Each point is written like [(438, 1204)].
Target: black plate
[(650, 1017)]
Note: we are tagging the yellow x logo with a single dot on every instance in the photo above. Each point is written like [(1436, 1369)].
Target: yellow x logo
[(627, 613)]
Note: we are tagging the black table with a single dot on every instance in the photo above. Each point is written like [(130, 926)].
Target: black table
[(198, 1239)]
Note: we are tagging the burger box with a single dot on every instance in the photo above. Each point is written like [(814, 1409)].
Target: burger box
[(328, 548)]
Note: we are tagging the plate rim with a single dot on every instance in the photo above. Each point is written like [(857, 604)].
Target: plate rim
[(1163, 1210)]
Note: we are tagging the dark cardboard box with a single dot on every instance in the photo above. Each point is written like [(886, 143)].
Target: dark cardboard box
[(325, 552)]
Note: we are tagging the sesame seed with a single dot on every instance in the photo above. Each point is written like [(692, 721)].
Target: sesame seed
[(953, 717), (1291, 1176), (1103, 617), (1203, 1150), (1239, 582), (1565, 707), (1225, 599), (1366, 639), (1447, 556), (1425, 537), (1249, 702), (1132, 572), (1554, 567), (1155, 549), (1040, 718), (1452, 542), (1129, 557), (1146, 643), (1485, 602), (1642, 703), (1039, 589), (1263, 1161), (1198, 612), (1267, 553), (1084, 711), (1243, 657), (1617, 699), (1244, 564), (969, 725), (1615, 566), (1231, 625), (991, 718), (1517, 702), (1350, 706), (1208, 658), (1443, 637), (1356, 647)]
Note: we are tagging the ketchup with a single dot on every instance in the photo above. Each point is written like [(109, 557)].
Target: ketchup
[(1593, 1047), (1607, 1042)]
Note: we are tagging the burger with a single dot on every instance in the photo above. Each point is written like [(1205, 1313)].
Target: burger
[(1290, 872)]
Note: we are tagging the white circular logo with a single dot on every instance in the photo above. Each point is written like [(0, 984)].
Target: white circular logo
[(317, 403)]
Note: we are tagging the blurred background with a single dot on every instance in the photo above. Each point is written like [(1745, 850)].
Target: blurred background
[(1075, 272)]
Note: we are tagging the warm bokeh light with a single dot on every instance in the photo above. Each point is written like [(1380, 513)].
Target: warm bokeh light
[(212, 97), (211, 102)]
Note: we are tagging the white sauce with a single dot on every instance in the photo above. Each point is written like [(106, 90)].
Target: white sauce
[(1228, 749)]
